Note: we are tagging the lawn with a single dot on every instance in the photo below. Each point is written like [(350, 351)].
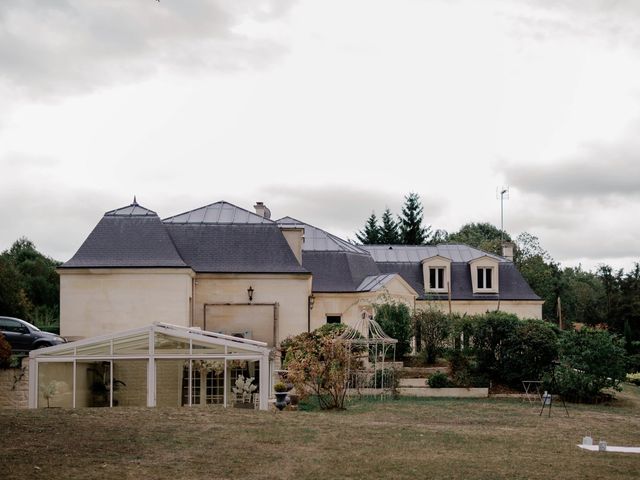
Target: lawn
[(430, 438)]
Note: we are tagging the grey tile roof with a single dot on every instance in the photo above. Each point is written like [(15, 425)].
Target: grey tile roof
[(316, 239), (127, 237), (512, 286), (338, 271), (411, 253), (218, 213), (234, 248)]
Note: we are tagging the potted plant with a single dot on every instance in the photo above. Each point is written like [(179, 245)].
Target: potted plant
[(281, 395)]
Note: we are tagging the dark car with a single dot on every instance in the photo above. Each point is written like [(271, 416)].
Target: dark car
[(23, 337)]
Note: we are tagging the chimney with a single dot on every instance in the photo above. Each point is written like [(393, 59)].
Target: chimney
[(507, 250), (262, 210)]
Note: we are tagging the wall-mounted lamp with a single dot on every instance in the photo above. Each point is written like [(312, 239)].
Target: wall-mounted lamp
[(312, 300), (250, 293)]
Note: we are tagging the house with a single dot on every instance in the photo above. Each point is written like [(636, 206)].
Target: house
[(188, 310), (225, 269)]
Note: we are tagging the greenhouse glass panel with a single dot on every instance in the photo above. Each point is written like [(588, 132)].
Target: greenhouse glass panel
[(130, 383), (168, 345), (55, 384), (93, 383), (60, 353), (171, 376), (134, 345), (100, 349), (205, 347)]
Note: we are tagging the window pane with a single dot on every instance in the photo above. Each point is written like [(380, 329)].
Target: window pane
[(55, 385), (170, 345), (441, 278), (488, 279), (134, 345), (100, 349), (432, 278), (169, 382), (480, 277), (130, 383), (93, 383), (333, 318)]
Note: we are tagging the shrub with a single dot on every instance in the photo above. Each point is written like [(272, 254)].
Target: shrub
[(319, 365), (5, 352), (489, 335), (527, 352), (591, 360), (395, 320), (438, 380), (434, 327), (279, 387)]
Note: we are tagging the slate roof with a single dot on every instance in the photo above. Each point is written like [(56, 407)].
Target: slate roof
[(316, 239), (234, 248), (219, 213), (132, 236), (411, 253), (338, 271), (512, 286)]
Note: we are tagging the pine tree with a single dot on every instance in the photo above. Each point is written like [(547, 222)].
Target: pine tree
[(370, 235), (389, 230), (411, 230)]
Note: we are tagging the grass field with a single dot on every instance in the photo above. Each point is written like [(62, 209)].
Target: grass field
[(430, 438)]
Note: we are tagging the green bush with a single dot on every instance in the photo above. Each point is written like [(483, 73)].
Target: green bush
[(591, 361), (395, 320), (438, 380), (433, 327), (527, 352)]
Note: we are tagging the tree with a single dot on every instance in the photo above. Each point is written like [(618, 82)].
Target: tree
[(370, 234), (480, 235), (591, 360), (389, 230), (29, 284), (395, 320), (411, 230)]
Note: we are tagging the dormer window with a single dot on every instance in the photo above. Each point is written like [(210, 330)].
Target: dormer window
[(436, 278), (436, 272), (484, 274), (485, 278)]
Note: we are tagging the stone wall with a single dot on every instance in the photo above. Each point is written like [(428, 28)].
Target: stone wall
[(14, 386)]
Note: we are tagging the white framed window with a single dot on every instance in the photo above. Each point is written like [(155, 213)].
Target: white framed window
[(485, 278), (436, 278)]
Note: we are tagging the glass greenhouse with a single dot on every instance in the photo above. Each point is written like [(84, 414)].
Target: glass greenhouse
[(158, 365)]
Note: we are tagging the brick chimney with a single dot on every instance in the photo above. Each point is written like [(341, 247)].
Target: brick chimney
[(262, 210)]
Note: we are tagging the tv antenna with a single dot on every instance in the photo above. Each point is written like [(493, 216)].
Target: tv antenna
[(502, 193)]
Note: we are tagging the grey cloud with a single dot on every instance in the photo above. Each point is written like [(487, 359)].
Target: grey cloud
[(596, 171), (61, 46)]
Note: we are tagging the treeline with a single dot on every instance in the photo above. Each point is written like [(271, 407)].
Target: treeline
[(29, 285), (606, 297)]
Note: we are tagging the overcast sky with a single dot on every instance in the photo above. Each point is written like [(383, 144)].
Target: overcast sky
[(325, 110)]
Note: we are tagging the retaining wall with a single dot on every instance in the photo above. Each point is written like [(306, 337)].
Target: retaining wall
[(14, 386)]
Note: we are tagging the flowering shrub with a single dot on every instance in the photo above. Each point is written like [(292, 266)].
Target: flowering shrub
[(319, 365)]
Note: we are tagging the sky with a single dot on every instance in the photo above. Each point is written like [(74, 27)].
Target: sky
[(326, 111)]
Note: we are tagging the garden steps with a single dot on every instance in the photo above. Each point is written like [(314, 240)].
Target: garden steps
[(418, 387), (421, 372)]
